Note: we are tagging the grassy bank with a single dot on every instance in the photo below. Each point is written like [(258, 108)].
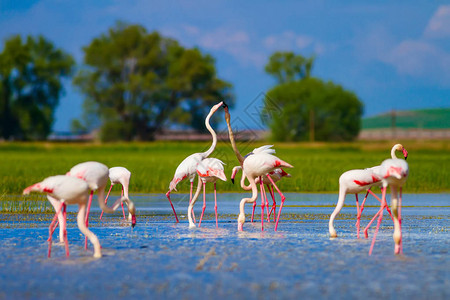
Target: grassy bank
[(317, 166)]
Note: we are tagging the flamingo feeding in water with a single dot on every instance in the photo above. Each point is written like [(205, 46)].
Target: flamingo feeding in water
[(188, 167), (119, 175), (209, 170), (65, 190), (355, 182), (394, 173), (275, 175), (96, 175), (255, 165)]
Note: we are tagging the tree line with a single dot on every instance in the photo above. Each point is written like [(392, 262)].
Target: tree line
[(136, 83)]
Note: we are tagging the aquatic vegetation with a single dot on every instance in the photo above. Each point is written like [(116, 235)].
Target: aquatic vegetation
[(29, 205)]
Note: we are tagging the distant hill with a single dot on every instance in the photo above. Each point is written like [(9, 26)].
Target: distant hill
[(423, 119)]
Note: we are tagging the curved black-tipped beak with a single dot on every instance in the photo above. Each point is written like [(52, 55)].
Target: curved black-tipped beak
[(224, 105), (232, 180), (133, 221), (406, 157)]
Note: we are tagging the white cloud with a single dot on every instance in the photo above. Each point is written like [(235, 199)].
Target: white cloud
[(290, 41), (439, 25)]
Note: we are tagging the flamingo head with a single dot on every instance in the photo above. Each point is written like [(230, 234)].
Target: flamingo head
[(131, 210), (234, 172), (241, 221), (405, 153)]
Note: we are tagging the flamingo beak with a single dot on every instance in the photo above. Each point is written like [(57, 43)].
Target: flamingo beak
[(224, 105), (405, 153), (133, 221), (232, 180)]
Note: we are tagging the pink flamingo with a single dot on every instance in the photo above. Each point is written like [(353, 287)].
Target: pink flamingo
[(209, 170), (355, 182), (253, 166), (65, 190), (394, 173), (96, 175), (276, 175), (188, 167), (119, 175)]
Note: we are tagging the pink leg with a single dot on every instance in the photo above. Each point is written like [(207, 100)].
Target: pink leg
[(261, 187), (190, 199), (204, 205), (51, 229), (379, 200), (282, 201), (87, 217), (266, 204), (383, 204), (215, 204), (170, 201), (253, 212), (359, 212), (274, 204), (66, 241), (106, 200), (123, 210), (366, 234)]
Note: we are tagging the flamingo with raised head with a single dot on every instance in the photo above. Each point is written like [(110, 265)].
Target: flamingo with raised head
[(255, 165), (65, 190), (188, 167), (355, 182), (394, 173), (209, 170), (276, 175), (119, 175)]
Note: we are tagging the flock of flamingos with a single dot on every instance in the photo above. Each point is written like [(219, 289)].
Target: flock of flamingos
[(258, 167)]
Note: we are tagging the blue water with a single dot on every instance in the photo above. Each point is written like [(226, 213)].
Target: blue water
[(160, 259)]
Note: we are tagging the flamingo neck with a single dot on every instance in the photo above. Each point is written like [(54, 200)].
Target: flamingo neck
[(393, 150), (231, 135), (213, 133)]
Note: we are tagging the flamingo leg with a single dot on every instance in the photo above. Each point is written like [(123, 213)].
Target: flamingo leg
[(106, 200), (215, 205), (400, 219), (253, 211), (358, 216), (123, 210), (190, 200), (66, 241), (274, 204), (87, 217), (266, 203), (204, 204), (379, 200), (261, 187), (282, 201), (170, 201), (50, 230), (383, 204)]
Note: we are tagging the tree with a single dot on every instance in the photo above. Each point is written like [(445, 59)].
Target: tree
[(309, 108), (287, 66), (30, 86), (139, 83)]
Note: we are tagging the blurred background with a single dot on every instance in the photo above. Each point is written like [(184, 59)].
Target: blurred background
[(291, 71)]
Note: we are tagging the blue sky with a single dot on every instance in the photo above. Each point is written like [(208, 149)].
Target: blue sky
[(392, 54)]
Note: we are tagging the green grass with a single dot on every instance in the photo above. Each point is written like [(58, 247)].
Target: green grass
[(317, 166), (424, 119)]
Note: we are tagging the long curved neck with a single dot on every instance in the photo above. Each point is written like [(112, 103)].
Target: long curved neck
[(213, 133), (393, 150), (231, 135)]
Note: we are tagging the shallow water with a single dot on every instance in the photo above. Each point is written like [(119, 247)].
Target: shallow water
[(161, 259)]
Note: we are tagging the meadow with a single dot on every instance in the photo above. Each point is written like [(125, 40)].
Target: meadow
[(317, 166)]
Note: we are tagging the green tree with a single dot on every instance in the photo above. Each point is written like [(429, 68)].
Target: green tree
[(287, 66), (306, 108), (30, 86), (138, 83)]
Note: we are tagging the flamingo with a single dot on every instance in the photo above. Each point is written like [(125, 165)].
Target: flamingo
[(276, 175), (209, 170), (119, 175), (96, 175), (188, 167), (65, 190), (394, 173), (255, 165), (355, 182)]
